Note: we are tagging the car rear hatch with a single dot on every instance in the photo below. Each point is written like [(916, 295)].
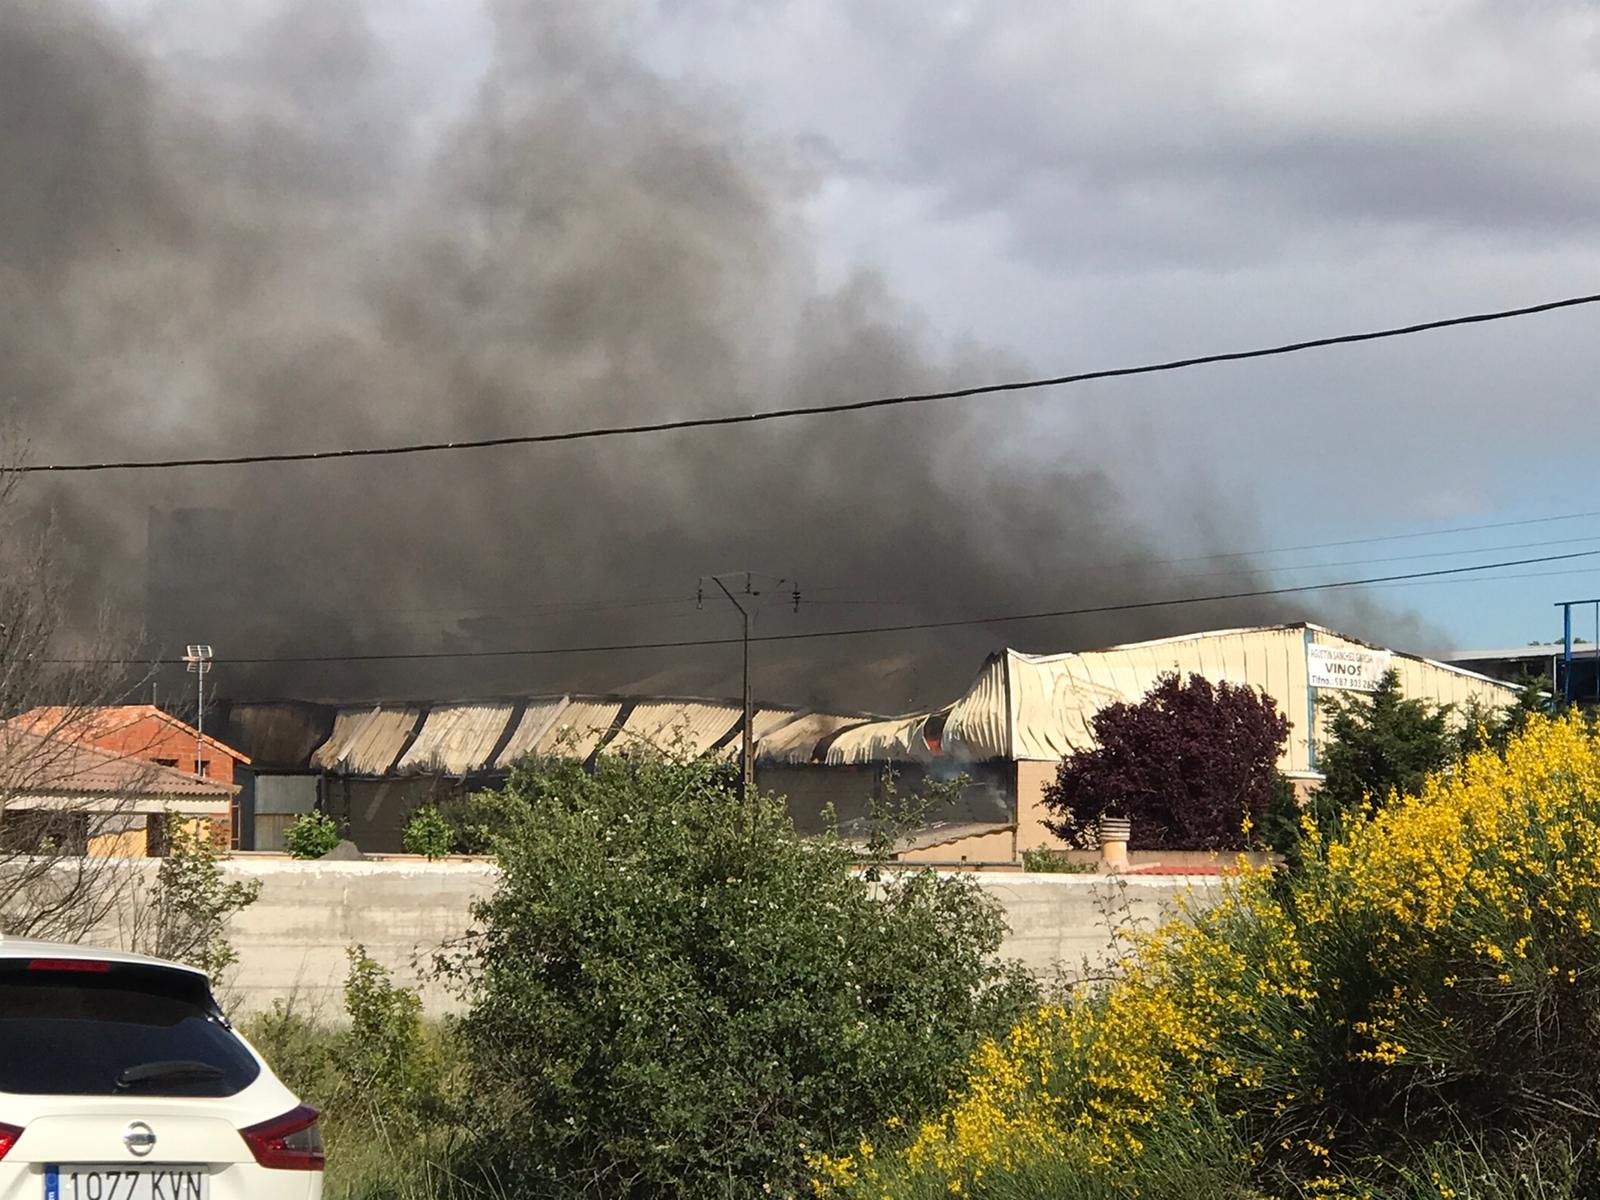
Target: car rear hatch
[(126, 1083)]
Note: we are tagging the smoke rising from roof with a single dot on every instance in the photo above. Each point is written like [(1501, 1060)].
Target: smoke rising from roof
[(282, 247)]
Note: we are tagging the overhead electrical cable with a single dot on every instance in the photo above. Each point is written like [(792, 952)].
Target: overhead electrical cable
[(777, 414), (582, 607), (860, 631)]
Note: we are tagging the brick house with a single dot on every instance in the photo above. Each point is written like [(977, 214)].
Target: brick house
[(146, 733)]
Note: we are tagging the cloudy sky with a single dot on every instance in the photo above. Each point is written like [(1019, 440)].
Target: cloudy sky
[(1091, 184), (349, 210)]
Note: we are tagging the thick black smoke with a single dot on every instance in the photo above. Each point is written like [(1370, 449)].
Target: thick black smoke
[(277, 251)]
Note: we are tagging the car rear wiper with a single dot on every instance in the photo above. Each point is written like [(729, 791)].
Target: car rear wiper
[(177, 1070)]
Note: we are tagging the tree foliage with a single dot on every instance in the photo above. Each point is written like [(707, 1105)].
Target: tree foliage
[(1379, 744), (673, 994), (1191, 765)]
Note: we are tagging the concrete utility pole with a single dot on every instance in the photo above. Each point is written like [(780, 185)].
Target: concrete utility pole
[(746, 609)]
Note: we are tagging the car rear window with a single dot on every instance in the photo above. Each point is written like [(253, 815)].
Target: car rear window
[(122, 1029)]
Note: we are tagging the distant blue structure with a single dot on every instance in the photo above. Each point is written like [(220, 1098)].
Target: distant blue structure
[(1579, 680)]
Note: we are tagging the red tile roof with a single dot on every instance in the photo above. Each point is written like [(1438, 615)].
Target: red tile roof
[(108, 719), (31, 764)]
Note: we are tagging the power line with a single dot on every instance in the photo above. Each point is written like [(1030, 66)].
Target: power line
[(1364, 541), (1007, 618), (1388, 558), (776, 414), (598, 604)]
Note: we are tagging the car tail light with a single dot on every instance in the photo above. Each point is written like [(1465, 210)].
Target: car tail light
[(8, 1138), (86, 966), (287, 1143)]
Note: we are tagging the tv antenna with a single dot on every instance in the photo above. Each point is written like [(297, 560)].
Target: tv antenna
[(199, 659)]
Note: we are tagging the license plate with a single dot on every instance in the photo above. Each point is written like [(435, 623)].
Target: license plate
[(126, 1183)]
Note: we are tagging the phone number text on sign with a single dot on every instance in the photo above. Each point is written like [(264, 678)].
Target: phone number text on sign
[(1351, 668)]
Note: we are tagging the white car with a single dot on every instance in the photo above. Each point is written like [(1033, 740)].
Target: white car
[(120, 1079)]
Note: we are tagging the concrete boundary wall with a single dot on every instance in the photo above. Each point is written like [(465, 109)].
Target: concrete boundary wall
[(292, 941)]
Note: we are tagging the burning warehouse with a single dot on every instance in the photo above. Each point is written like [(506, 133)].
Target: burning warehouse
[(1025, 712), (371, 766)]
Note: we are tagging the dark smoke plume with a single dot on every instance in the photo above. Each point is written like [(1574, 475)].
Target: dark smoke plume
[(278, 250)]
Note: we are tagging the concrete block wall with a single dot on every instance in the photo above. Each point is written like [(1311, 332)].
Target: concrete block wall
[(292, 941)]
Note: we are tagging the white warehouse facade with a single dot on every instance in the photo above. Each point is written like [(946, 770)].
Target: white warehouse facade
[(1025, 712)]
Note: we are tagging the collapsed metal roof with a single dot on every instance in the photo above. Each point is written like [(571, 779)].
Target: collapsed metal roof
[(675, 727), (476, 738), (456, 739), (367, 741), (535, 721)]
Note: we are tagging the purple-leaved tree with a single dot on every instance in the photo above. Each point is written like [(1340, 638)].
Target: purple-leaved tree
[(1186, 764)]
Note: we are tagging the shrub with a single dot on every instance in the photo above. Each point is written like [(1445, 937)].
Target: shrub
[(380, 1079), (311, 835), (674, 994), (428, 833), (1191, 765), (1413, 1009), (384, 1060), (1042, 861), (186, 914)]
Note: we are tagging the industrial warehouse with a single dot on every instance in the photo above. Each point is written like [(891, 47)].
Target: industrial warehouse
[(370, 766)]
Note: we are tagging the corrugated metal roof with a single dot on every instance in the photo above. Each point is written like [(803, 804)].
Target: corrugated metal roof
[(898, 739), (580, 728), (677, 726), (457, 739), (345, 723), (367, 741), (1041, 707), (796, 740), (537, 717), (1537, 653), (766, 722)]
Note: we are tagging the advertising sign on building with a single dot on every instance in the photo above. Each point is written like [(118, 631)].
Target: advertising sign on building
[(1350, 668)]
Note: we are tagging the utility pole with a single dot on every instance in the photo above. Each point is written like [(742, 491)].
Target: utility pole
[(199, 660), (746, 609)]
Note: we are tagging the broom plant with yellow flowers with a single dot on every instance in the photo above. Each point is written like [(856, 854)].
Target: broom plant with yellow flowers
[(1415, 1010)]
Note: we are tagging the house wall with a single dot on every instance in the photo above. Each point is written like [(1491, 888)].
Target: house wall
[(158, 741), (809, 789), (1032, 779), (152, 739)]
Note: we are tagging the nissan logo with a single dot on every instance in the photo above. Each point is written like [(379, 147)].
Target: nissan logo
[(139, 1138)]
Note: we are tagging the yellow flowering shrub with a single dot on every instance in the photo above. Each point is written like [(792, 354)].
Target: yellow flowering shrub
[(1432, 965)]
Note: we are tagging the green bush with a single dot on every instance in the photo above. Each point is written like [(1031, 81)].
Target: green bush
[(311, 835), (382, 1081), (385, 1062), (673, 994), (188, 908), (428, 833), (1044, 861)]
